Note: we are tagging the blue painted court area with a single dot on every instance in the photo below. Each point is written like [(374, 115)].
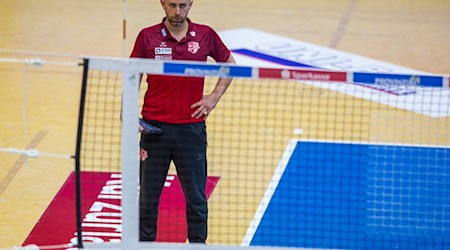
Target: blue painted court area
[(359, 196)]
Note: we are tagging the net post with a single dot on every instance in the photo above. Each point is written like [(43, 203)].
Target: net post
[(78, 151), (130, 161)]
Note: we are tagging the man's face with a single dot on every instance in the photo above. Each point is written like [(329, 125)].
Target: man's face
[(176, 11)]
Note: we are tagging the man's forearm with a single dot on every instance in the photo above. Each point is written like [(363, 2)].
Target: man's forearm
[(221, 87), (223, 83)]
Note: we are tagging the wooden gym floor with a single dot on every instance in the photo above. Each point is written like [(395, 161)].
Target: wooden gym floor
[(411, 33)]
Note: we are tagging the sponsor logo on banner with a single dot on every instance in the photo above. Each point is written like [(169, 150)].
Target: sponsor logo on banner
[(220, 72), (392, 83), (412, 81), (305, 75), (397, 86), (193, 47), (207, 70)]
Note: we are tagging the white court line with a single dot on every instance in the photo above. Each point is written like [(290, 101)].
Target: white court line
[(269, 192), (368, 143), (183, 246)]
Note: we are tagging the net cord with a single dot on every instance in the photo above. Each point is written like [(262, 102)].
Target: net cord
[(196, 69), (37, 61)]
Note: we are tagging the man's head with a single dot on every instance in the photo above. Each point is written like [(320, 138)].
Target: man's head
[(176, 11)]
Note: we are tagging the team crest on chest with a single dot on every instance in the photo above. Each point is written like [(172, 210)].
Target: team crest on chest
[(193, 47)]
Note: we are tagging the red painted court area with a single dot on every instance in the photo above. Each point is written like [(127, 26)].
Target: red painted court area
[(101, 210)]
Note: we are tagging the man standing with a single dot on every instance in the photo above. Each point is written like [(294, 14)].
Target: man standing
[(177, 106)]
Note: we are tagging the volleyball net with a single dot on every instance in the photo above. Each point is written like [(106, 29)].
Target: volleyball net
[(297, 158)]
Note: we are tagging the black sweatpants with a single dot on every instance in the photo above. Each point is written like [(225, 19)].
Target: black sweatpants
[(185, 145)]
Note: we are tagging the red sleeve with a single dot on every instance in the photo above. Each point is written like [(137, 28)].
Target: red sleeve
[(138, 47), (219, 51)]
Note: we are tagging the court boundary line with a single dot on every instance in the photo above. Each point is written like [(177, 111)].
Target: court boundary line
[(176, 246), (343, 24), (379, 143), (270, 190), (18, 164)]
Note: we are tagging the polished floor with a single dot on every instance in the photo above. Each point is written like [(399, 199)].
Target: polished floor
[(411, 33)]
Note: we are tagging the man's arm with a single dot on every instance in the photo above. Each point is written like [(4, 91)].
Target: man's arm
[(209, 102)]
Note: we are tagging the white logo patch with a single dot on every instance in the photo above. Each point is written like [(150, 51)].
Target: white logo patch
[(163, 51)]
